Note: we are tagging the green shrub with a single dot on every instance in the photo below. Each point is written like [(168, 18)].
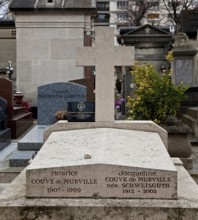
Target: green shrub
[(155, 97)]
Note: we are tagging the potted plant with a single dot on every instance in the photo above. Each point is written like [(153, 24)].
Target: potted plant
[(156, 98), (118, 107)]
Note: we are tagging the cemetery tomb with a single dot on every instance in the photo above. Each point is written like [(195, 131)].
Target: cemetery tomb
[(102, 163), (48, 33), (18, 119), (5, 136)]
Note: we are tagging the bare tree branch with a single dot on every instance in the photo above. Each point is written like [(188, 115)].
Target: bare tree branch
[(136, 11), (174, 8)]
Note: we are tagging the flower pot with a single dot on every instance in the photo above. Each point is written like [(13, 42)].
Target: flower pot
[(178, 143), (117, 115), (179, 146)]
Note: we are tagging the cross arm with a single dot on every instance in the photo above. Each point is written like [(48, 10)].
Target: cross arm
[(85, 56)]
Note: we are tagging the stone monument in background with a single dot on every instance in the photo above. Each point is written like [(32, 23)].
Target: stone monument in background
[(54, 97), (5, 135), (47, 34), (183, 63), (18, 119)]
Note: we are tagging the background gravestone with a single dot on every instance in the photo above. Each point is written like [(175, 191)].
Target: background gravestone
[(90, 85), (54, 97), (18, 119), (3, 116), (6, 92), (183, 67), (5, 138)]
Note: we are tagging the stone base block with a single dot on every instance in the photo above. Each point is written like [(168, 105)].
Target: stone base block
[(7, 175), (33, 140), (14, 205), (20, 124), (21, 158), (29, 146)]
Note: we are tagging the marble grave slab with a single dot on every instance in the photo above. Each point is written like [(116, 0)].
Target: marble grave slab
[(102, 163)]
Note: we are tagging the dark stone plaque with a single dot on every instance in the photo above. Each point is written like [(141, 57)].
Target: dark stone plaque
[(81, 111)]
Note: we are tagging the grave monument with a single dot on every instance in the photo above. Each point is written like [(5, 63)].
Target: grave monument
[(54, 97), (17, 118), (183, 63), (47, 34), (102, 161), (5, 136), (103, 171)]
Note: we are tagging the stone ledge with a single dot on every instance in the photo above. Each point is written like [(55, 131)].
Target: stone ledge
[(148, 126), (14, 196)]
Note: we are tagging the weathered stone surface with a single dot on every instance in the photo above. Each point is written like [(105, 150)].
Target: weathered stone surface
[(102, 163), (179, 145), (43, 53), (21, 158), (14, 205), (175, 126), (105, 56), (148, 126), (33, 140)]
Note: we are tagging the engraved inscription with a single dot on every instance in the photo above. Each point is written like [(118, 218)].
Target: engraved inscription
[(60, 94), (77, 182), (136, 182)]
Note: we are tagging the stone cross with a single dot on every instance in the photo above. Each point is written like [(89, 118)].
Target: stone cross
[(105, 56)]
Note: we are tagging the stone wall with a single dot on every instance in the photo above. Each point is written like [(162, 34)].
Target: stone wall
[(7, 45), (46, 46)]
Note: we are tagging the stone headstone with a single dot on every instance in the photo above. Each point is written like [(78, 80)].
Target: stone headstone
[(3, 116), (5, 135), (90, 84), (183, 63), (18, 120), (54, 97), (183, 71), (81, 111), (6, 92), (102, 163)]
